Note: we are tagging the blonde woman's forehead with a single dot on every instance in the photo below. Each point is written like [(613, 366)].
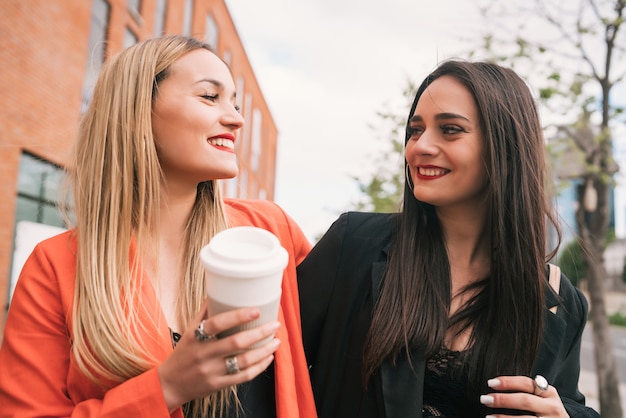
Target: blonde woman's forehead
[(202, 64)]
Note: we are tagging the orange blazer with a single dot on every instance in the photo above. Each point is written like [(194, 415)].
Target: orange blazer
[(39, 376)]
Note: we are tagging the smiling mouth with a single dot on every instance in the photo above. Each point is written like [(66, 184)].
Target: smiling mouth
[(222, 142), (431, 172)]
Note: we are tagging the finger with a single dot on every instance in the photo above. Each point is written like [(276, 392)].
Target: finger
[(516, 416), (520, 401), (519, 384), (227, 320), (248, 373), (250, 338), (247, 359), (518, 392)]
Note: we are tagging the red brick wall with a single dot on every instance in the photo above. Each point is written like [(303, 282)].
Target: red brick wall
[(43, 55), (43, 47)]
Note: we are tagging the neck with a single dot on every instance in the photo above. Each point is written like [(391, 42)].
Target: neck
[(174, 211), (167, 269), (468, 245)]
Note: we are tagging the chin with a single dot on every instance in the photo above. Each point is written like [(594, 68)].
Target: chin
[(222, 173), (231, 174)]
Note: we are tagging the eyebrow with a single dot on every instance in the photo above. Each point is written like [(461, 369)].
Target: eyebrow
[(216, 83), (440, 116)]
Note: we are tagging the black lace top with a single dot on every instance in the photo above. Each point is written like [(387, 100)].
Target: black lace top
[(445, 383)]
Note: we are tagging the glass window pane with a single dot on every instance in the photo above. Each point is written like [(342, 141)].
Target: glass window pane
[(29, 178), (159, 17), (130, 38), (97, 41), (134, 5), (53, 185), (187, 17), (26, 210), (40, 187), (52, 216), (211, 32)]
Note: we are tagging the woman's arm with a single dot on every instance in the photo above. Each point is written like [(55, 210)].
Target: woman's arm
[(37, 371)]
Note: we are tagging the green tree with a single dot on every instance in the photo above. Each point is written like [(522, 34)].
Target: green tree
[(572, 262), (382, 190), (574, 51)]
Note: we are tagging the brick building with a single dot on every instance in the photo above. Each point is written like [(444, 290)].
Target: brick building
[(51, 52)]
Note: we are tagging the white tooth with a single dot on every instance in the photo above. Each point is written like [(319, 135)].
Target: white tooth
[(222, 142), (431, 172)]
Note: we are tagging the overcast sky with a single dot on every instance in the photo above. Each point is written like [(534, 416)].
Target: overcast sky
[(326, 67)]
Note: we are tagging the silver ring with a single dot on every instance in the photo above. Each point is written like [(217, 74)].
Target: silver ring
[(232, 367), (201, 334), (540, 383)]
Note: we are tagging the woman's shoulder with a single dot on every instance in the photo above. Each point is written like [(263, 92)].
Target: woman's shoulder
[(361, 232), (571, 298), (252, 212), (50, 269), (367, 224), (57, 249), (267, 215)]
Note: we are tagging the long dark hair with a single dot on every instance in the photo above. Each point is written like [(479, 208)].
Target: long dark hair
[(506, 315)]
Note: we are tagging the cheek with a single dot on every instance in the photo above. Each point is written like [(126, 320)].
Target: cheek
[(408, 150), (172, 127), (478, 177)]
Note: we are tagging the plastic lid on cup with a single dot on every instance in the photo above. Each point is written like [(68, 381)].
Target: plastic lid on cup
[(244, 251)]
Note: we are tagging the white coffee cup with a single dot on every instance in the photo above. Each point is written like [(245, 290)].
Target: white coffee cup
[(244, 268)]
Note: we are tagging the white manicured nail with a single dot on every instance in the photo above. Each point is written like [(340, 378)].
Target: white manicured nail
[(486, 400), (493, 383)]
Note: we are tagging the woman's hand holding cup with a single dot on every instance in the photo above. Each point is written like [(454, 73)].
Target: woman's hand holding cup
[(200, 366)]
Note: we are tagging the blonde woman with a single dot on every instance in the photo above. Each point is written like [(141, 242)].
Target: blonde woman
[(108, 319)]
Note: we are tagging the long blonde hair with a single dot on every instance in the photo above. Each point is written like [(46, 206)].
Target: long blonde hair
[(116, 178)]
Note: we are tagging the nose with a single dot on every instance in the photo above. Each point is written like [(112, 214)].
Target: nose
[(232, 118), (424, 145)]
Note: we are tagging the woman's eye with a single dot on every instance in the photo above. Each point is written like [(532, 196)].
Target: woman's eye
[(210, 97), (414, 130), (451, 130)]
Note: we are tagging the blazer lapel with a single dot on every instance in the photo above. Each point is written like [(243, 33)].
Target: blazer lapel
[(553, 335), (401, 382), (402, 387)]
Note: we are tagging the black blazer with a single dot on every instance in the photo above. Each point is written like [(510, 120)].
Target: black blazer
[(336, 283)]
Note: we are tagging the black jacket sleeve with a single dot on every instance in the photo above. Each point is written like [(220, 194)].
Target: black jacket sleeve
[(559, 358)]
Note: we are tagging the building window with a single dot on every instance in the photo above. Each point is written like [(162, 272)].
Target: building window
[(159, 17), (130, 38), (243, 184), (255, 152), (36, 214), (231, 187), (38, 192), (211, 32), (134, 7), (240, 92), (228, 57), (244, 133), (187, 17), (96, 54)]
